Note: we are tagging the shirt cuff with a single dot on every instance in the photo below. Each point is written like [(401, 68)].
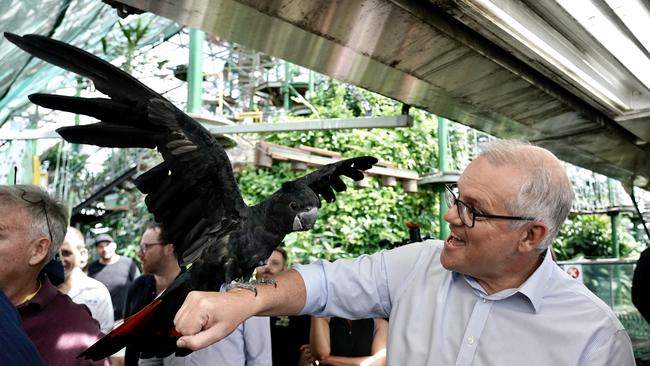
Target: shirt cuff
[(313, 277)]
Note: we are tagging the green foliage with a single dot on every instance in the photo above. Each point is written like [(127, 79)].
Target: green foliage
[(360, 218), (591, 236)]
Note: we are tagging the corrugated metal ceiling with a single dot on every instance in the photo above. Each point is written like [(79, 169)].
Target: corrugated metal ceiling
[(527, 69)]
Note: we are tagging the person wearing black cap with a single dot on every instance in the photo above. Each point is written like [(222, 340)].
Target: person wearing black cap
[(116, 272)]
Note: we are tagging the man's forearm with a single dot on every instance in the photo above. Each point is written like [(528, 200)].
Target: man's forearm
[(287, 298), (207, 317)]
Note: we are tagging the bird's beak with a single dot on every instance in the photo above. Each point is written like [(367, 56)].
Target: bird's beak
[(305, 220)]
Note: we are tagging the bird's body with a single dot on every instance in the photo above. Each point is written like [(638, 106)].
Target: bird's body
[(193, 192)]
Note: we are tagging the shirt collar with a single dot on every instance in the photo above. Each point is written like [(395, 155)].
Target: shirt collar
[(537, 283), (532, 289), (44, 296)]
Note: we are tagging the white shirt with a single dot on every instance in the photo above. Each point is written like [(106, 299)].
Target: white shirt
[(92, 293), (439, 317), (248, 345)]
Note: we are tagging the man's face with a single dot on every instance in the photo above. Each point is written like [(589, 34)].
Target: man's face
[(16, 243), (274, 265), (152, 254), (489, 249), (106, 249), (71, 256)]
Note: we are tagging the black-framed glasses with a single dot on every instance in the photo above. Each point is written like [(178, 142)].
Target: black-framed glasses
[(35, 200), (144, 247), (468, 214)]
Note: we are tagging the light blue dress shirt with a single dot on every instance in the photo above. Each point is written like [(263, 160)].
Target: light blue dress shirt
[(248, 345), (438, 317)]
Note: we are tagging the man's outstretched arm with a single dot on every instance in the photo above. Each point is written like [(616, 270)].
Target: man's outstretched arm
[(207, 317)]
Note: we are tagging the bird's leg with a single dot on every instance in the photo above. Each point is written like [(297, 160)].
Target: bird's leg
[(229, 269)]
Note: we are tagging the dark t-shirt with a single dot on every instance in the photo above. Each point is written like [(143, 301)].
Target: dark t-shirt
[(351, 339), (641, 285), (116, 277), (141, 292), (288, 333), (15, 346)]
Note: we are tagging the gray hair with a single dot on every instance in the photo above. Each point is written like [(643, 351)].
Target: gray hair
[(76, 235), (546, 193), (41, 208)]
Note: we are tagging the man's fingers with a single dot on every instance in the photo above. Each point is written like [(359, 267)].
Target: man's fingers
[(199, 340), (188, 322)]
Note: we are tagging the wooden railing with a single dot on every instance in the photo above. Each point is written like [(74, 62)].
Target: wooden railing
[(302, 157)]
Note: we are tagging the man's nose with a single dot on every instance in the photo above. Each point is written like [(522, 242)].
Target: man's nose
[(451, 216)]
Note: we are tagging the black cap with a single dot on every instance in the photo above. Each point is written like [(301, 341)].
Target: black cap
[(103, 237)]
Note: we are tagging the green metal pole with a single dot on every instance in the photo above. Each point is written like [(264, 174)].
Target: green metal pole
[(443, 139), (310, 85), (286, 93), (195, 72), (614, 218)]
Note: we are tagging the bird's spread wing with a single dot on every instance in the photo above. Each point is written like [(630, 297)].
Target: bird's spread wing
[(193, 192), (327, 179)]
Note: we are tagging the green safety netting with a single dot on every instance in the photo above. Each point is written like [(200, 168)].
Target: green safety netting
[(83, 23)]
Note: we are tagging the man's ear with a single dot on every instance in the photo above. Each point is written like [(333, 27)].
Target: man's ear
[(38, 251), (534, 233), (83, 253), (169, 248)]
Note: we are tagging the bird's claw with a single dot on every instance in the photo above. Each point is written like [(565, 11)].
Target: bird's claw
[(247, 286), (266, 281), (252, 286)]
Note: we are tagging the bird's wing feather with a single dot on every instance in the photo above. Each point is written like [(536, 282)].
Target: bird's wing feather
[(327, 179), (193, 188)]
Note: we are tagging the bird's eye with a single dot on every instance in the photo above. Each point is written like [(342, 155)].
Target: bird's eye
[(293, 206)]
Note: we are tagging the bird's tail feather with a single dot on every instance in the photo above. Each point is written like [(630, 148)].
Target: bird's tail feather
[(118, 338), (150, 329)]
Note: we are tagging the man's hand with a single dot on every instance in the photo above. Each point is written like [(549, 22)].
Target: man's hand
[(207, 317), (306, 358)]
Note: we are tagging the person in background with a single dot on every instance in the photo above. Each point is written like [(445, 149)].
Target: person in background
[(341, 342), (160, 267), (641, 285), (489, 294), (248, 345), (116, 272), (289, 334), (81, 288), (32, 228)]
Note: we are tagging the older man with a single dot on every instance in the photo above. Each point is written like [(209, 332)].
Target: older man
[(490, 294), (81, 288), (32, 227)]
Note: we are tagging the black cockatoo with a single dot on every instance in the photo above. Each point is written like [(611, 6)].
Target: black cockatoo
[(193, 192)]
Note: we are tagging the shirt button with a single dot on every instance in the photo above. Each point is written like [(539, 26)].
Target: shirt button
[(483, 300), (470, 340)]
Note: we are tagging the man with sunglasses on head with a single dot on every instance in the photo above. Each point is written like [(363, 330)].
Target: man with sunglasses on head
[(489, 294), (32, 228)]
